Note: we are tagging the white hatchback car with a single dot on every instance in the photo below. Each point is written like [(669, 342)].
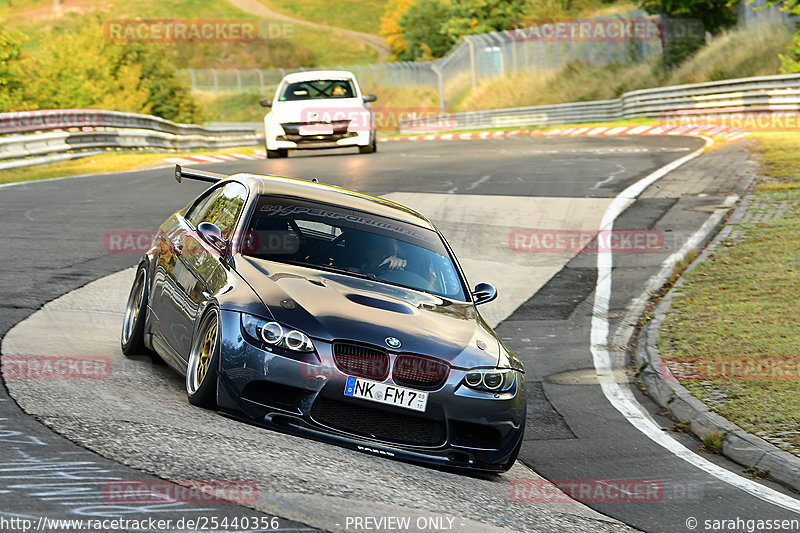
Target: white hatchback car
[(319, 109)]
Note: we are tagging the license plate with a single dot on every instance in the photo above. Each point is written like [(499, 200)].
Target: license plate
[(317, 129), (386, 394)]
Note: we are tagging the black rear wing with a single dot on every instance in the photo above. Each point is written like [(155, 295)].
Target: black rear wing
[(199, 175)]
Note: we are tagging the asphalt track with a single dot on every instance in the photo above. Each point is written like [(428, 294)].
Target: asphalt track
[(53, 242)]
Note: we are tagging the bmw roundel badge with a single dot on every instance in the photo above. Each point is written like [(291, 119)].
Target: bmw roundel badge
[(393, 342)]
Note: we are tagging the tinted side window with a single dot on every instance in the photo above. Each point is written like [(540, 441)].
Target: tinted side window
[(223, 209), (196, 212)]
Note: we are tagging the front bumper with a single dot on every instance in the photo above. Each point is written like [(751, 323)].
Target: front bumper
[(287, 136), (460, 428)]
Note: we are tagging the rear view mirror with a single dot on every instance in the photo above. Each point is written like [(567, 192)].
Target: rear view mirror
[(265, 102), (211, 234), (370, 98), (483, 293)]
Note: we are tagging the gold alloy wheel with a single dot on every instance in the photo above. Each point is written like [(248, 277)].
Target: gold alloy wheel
[(206, 352), (202, 353), (134, 306)]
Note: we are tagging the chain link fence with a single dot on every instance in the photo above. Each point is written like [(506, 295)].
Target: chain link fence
[(541, 47), (536, 48)]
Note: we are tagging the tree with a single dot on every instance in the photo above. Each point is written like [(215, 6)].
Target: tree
[(790, 6), (685, 23), (82, 69), (790, 61), (11, 83), (469, 17), (426, 29), (422, 30), (390, 26), (715, 15)]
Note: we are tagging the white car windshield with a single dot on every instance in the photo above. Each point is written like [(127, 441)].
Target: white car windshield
[(318, 90)]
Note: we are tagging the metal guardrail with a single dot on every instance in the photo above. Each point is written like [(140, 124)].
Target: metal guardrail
[(31, 138), (759, 94), (39, 137)]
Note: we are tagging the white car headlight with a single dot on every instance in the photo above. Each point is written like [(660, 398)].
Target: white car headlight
[(275, 334)]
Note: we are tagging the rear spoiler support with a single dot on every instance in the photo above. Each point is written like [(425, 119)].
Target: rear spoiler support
[(199, 175)]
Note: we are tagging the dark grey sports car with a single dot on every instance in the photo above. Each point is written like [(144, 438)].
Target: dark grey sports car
[(328, 313)]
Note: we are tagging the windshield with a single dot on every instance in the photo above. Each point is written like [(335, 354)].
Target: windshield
[(318, 89), (359, 244)]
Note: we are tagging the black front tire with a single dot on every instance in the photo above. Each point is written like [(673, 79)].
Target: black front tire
[(132, 339), (277, 154), (371, 148)]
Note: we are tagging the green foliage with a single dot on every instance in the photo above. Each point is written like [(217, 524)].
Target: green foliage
[(83, 69), (469, 17), (740, 52), (421, 28), (790, 61), (539, 10), (431, 27), (715, 15), (167, 95), (682, 38), (11, 83), (791, 6)]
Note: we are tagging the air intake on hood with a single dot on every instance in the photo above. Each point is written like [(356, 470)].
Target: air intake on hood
[(361, 361)]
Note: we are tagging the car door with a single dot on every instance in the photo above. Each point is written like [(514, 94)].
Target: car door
[(203, 269), (170, 303)]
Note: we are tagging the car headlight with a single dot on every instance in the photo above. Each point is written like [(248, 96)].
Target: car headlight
[(274, 334), (491, 379)]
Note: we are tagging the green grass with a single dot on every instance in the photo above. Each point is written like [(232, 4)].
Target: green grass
[(330, 49), (351, 14), (288, 45), (740, 305), (738, 53), (577, 82), (109, 162), (232, 106)]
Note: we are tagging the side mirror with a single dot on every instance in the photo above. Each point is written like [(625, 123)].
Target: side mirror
[(265, 102), (483, 293), (212, 235), (370, 98)]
